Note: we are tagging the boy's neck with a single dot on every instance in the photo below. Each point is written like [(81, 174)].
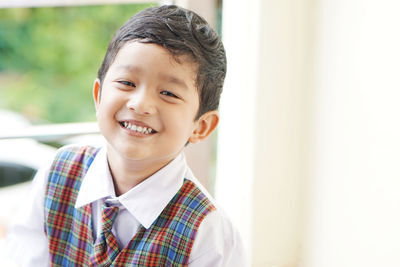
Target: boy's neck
[(128, 173)]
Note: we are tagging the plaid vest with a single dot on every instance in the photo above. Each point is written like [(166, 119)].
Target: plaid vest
[(167, 242)]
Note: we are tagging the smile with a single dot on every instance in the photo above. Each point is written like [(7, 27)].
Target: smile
[(137, 128)]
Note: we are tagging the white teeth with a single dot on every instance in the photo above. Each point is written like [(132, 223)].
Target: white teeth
[(140, 129)]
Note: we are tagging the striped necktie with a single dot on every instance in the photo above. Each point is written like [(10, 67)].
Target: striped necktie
[(106, 248)]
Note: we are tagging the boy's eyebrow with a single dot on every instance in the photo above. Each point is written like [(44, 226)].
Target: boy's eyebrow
[(174, 80)]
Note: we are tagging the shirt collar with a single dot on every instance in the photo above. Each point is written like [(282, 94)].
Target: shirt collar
[(97, 183), (145, 201)]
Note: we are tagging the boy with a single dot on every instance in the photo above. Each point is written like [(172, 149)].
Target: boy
[(135, 202)]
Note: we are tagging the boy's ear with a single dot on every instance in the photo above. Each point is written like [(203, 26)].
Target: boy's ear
[(96, 92), (205, 125)]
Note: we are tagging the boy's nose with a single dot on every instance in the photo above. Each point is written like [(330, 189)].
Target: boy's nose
[(141, 101)]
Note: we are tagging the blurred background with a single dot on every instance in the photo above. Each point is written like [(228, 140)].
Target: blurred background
[(306, 157)]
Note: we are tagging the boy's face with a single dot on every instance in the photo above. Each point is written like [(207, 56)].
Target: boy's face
[(148, 103)]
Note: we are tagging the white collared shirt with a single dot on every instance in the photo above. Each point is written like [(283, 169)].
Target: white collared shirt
[(217, 242)]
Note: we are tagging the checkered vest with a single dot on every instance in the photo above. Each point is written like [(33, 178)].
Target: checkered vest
[(167, 242)]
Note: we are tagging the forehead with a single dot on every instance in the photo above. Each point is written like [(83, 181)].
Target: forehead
[(139, 57)]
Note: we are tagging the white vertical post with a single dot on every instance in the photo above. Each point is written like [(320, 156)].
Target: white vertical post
[(262, 152), (235, 160)]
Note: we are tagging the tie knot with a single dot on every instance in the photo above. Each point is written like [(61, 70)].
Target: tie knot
[(108, 217)]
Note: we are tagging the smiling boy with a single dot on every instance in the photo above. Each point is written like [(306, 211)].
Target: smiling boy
[(135, 202)]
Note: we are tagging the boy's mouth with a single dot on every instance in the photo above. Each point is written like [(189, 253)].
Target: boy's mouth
[(137, 128)]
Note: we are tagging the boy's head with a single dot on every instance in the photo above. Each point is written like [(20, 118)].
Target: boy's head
[(182, 33), (159, 86)]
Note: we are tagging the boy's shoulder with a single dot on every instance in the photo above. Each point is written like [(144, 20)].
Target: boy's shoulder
[(72, 157), (73, 152), (73, 149), (217, 217), (218, 240)]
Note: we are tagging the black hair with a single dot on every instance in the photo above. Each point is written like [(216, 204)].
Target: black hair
[(183, 33)]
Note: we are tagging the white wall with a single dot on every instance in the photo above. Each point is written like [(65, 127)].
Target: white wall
[(354, 202)]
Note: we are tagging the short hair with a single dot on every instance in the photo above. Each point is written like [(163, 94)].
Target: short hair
[(181, 32)]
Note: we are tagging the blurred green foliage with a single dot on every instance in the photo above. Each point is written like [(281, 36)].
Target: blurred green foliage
[(49, 58)]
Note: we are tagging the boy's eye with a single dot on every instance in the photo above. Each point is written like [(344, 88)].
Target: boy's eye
[(166, 93), (131, 84)]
